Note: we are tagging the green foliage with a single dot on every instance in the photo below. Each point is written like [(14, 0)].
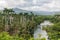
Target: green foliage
[(21, 26), (54, 31), (6, 36)]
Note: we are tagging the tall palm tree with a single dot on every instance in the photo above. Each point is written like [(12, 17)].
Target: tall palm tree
[(10, 17), (6, 20), (7, 17)]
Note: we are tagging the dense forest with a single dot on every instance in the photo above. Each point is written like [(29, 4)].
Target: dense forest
[(21, 26)]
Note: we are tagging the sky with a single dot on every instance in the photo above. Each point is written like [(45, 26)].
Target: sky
[(32, 5)]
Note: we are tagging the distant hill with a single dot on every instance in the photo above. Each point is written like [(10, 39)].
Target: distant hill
[(17, 10)]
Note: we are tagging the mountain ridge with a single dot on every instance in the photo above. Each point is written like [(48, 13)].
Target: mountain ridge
[(17, 10)]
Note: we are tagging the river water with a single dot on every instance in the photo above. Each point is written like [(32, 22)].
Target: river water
[(41, 32)]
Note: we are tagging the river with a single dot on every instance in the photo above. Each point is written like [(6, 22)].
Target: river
[(41, 32)]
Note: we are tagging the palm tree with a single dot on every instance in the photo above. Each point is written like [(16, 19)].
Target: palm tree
[(7, 17), (10, 17), (6, 20)]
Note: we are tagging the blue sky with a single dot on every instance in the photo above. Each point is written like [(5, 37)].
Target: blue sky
[(33, 5)]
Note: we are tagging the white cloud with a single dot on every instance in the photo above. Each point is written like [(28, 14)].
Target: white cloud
[(35, 5), (54, 5), (14, 3), (2, 4)]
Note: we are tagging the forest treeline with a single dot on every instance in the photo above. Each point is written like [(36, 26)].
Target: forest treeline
[(24, 24)]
